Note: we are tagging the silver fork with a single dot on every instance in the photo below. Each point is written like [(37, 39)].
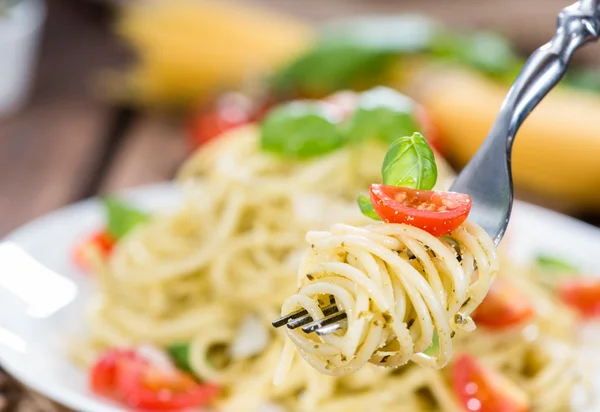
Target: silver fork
[(487, 178)]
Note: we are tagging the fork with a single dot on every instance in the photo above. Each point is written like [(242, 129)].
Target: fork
[(487, 178)]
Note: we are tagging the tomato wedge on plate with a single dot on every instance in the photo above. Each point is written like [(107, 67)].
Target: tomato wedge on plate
[(481, 389), (230, 110), (128, 377), (503, 306), (102, 241), (435, 212), (581, 294), (104, 372)]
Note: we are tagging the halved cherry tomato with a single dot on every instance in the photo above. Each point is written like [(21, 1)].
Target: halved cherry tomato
[(102, 241), (128, 377), (582, 294), (503, 306), (229, 111), (481, 389), (435, 212)]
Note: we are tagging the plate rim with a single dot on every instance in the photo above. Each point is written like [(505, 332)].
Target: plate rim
[(78, 401)]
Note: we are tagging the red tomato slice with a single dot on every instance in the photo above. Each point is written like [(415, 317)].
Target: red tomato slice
[(581, 294), (435, 212), (230, 110), (481, 389), (143, 386), (104, 372), (128, 377), (503, 306), (102, 241)]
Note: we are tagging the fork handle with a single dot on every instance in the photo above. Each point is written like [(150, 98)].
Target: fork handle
[(577, 25)]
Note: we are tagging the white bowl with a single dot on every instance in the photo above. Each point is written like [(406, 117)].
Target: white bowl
[(42, 296), (20, 33)]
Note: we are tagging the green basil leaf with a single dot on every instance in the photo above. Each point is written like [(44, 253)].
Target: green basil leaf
[(555, 264), (121, 217), (354, 53), (384, 114), (332, 67), (366, 207), (434, 348), (302, 129), (180, 354), (409, 162), (584, 80), (488, 52)]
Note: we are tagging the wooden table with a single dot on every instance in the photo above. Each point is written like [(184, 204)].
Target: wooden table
[(61, 148)]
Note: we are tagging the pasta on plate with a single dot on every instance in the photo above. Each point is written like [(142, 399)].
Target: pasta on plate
[(211, 276)]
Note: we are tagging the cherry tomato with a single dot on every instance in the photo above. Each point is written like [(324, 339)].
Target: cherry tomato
[(126, 376), (230, 110), (503, 306), (102, 241), (481, 389), (435, 212), (582, 294)]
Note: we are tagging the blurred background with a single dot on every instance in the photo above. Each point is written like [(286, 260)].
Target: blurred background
[(96, 96)]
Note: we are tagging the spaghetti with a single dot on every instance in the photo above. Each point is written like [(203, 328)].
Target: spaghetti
[(398, 285), (214, 273)]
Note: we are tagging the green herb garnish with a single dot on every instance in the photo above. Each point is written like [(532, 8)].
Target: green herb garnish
[(487, 52), (302, 129), (434, 348), (332, 67), (555, 264), (121, 217), (180, 353), (366, 207), (384, 114), (409, 162), (584, 80)]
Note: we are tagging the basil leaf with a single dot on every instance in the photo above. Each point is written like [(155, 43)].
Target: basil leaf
[(180, 354), (586, 80), (488, 52), (354, 53), (555, 264), (434, 348), (121, 217), (302, 129), (366, 207), (330, 68), (409, 162), (384, 114)]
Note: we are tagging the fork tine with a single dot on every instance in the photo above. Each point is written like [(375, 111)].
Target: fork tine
[(328, 320), (326, 330), (285, 319), (296, 323), (295, 315)]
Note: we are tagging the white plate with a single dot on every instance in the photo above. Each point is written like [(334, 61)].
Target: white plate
[(42, 296)]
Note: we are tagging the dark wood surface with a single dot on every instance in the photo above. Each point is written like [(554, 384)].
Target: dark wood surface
[(60, 148)]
